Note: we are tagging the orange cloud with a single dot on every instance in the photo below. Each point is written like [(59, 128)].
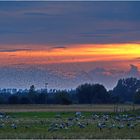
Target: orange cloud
[(73, 53)]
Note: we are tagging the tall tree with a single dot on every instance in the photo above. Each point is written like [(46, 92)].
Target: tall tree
[(13, 99), (62, 97), (137, 97), (92, 93), (126, 88), (32, 94)]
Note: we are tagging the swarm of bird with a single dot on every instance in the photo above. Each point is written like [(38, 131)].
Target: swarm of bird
[(79, 120), (103, 121)]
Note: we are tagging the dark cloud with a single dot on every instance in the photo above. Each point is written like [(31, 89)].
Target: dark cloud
[(59, 47), (35, 14), (138, 58), (102, 75), (21, 76), (133, 72), (24, 77), (107, 77), (5, 32), (69, 22), (14, 50)]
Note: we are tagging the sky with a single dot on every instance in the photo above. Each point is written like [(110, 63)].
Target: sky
[(68, 43)]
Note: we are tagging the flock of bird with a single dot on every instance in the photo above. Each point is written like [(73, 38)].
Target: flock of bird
[(103, 121), (100, 121)]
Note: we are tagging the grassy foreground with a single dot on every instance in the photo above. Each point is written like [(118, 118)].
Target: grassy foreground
[(35, 125), (64, 108)]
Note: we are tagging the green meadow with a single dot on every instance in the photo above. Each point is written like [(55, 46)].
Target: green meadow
[(43, 125)]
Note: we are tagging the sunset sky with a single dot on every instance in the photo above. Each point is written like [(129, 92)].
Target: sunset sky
[(68, 43)]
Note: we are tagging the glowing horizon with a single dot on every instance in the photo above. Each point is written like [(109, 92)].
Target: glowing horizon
[(72, 53)]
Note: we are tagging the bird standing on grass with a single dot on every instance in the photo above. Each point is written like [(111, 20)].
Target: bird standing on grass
[(14, 126), (101, 126)]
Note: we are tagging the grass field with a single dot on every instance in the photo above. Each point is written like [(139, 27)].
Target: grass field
[(64, 108), (34, 121)]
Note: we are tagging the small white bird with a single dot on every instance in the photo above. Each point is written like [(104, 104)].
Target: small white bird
[(14, 126)]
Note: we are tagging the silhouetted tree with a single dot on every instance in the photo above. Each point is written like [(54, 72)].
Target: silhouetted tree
[(84, 93), (126, 89), (100, 94), (62, 97), (137, 97), (25, 100), (88, 94), (13, 99), (32, 89), (2, 100), (42, 98), (32, 94)]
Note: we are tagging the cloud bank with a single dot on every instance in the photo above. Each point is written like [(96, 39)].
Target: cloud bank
[(69, 22), (24, 77)]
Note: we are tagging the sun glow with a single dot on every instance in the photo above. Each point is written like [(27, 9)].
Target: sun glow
[(72, 53)]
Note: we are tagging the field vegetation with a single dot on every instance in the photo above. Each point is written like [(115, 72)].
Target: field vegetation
[(90, 121)]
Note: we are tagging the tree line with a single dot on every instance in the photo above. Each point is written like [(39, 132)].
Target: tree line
[(126, 91)]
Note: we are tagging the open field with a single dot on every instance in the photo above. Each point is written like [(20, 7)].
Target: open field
[(40, 121), (65, 108)]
